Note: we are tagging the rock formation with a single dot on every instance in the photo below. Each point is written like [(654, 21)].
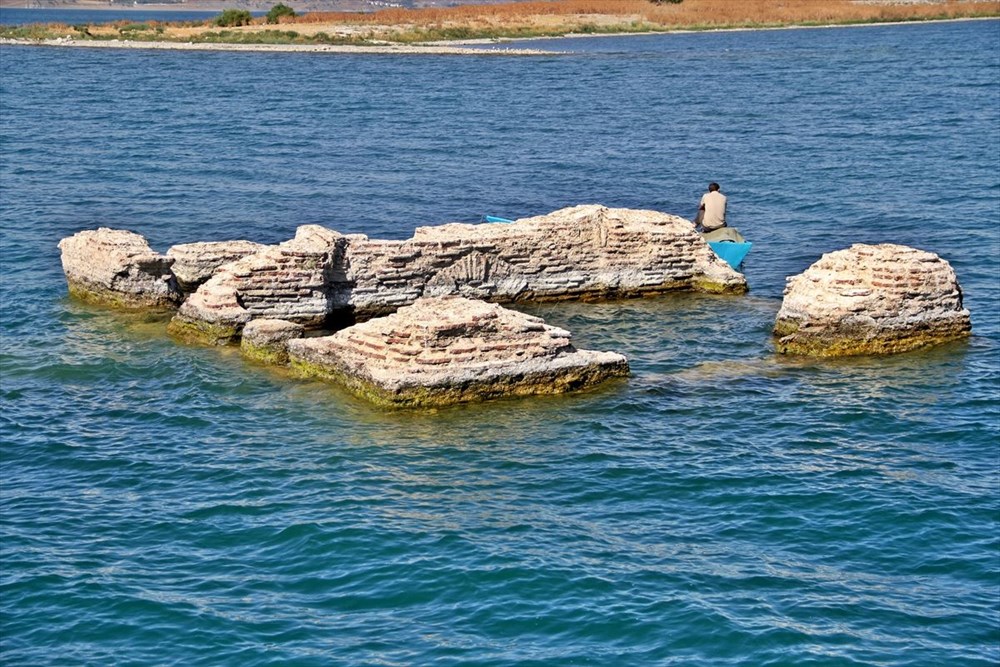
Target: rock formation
[(194, 263), (586, 252), (867, 299), (267, 340), (443, 350), (118, 268), (290, 281)]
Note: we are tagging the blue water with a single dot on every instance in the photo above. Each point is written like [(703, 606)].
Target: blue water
[(17, 16), (162, 504)]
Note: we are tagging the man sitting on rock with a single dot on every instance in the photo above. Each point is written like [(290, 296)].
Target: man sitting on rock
[(712, 210)]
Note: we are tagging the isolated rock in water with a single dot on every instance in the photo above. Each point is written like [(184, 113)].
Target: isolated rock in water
[(267, 340), (117, 268), (443, 350), (586, 252), (871, 299), (194, 263)]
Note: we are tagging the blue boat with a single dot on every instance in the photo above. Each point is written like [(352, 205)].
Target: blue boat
[(493, 218), (729, 244), (732, 252)]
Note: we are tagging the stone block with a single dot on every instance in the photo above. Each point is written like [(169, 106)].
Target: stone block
[(868, 300), (117, 268), (433, 366), (195, 263)]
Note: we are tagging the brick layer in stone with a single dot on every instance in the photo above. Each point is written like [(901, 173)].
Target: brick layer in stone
[(450, 349), (578, 253), (871, 299)]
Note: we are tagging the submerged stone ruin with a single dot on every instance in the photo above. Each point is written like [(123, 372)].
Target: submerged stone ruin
[(871, 299), (427, 334), (112, 267), (324, 278), (443, 350), (436, 339), (195, 263)]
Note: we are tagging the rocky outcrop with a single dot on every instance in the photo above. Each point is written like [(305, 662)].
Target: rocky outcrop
[(443, 350), (867, 299), (117, 268), (290, 281), (195, 263), (266, 341), (586, 252)]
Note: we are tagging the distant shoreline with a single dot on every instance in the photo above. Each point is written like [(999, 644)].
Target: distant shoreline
[(443, 47)]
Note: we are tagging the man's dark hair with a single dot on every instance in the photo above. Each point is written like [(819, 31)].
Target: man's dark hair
[(713, 187)]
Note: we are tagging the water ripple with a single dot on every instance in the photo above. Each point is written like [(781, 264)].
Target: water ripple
[(169, 504)]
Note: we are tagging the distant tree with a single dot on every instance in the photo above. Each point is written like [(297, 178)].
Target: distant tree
[(279, 10), (233, 17), (666, 2)]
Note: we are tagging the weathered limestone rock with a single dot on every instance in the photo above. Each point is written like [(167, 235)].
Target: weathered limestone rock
[(443, 350), (117, 268), (867, 299), (267, 340), (586, 252), (194, 263), (289, 281)]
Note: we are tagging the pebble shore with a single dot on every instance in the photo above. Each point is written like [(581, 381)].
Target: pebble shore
[(397, 49)]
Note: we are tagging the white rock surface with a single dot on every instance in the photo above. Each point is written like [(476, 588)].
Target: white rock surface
[(871, 299), (443, 350), (118, 268), (585, 252), (195, 263)]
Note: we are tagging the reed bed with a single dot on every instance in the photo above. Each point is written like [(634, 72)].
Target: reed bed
[(689, 13)]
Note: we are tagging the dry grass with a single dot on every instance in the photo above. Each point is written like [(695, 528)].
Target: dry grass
[(689, 13)]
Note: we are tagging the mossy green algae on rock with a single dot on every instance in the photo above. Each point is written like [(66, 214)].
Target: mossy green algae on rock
[(205, 333), (444, 350), (266, 341), (871, 299)]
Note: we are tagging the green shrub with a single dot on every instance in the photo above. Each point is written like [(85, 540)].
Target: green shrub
[(279, 10), (233, 18), (254, 37), (31, 31), (135, 27)]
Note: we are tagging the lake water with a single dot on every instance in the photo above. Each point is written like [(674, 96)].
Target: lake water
[(162, 504), (18, 16)]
